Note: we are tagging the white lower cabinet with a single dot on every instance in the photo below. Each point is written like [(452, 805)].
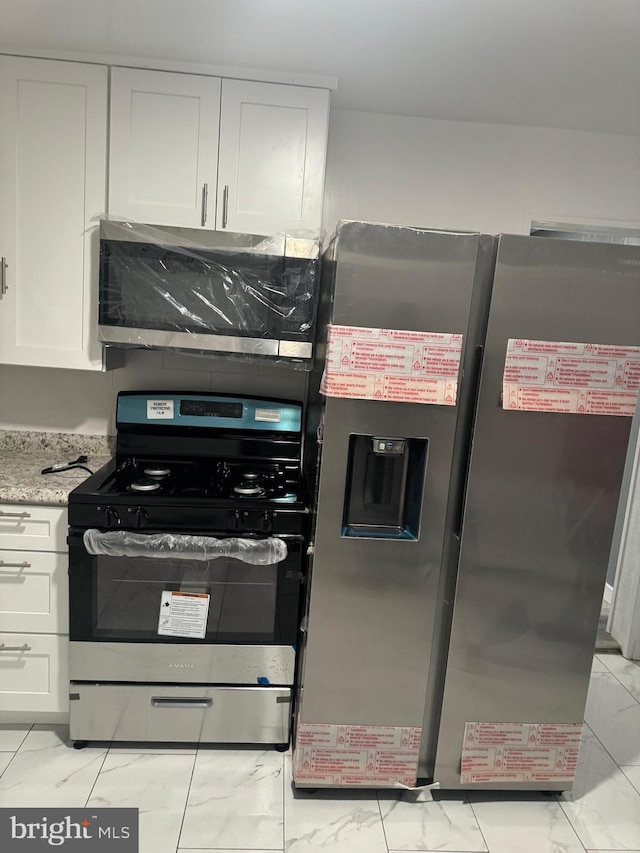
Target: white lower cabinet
[(34, 670), (34, 592), (34, 674), (33, 528)]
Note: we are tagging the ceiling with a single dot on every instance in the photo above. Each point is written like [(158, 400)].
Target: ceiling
[(572, 64)]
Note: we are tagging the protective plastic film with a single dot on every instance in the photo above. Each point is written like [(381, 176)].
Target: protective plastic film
[(122, 543), (568, 377), (394, 365), (520, 752), (353, 755), (207, 291)]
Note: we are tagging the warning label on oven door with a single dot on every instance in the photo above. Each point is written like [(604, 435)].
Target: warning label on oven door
[(183, 614)]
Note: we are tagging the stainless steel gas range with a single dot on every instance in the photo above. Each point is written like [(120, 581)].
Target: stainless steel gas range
[(186, 566)]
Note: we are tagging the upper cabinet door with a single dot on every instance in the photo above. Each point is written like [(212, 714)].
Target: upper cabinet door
[(164, 147), (272, 156), (53, 153)]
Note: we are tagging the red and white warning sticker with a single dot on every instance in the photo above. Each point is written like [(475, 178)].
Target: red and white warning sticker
[(369, 756), (520, 752), (584, 379), (392, 364)]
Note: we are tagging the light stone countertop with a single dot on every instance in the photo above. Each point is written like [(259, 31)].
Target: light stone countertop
[(23, 455)]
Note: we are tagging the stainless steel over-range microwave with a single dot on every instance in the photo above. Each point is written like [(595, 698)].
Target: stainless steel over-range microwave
[(207, 291)]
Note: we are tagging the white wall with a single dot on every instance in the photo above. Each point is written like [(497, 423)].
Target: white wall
[(470, 176), (381, 168)]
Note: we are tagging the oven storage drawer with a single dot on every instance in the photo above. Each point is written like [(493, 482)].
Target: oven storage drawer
[(33, 673), (34, 528), (34, 592), (180, 714)]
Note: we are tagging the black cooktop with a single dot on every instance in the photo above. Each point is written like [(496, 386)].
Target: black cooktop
[(226, 479), (191, 495)]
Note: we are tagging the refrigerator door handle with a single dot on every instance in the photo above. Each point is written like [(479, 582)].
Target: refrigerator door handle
[(475, 380)]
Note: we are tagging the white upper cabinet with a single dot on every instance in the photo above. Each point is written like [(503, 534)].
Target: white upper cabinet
[(251, 161), (53, 136), (163, 156), (273, 142)]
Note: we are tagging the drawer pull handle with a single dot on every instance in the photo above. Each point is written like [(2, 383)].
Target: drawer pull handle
[(20, 566), (181, 701), (14, 514), (24, 648)]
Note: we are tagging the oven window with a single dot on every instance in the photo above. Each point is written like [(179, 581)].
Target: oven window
[(242, 597), (128, 597), (119, 598)]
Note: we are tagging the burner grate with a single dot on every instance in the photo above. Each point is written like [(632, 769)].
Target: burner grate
[(208, 480)]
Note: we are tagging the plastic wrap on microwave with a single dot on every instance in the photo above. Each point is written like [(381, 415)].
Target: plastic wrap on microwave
[(170, 546), (208, 292)]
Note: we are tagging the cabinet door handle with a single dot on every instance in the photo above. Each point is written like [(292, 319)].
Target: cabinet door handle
[(3, 276), (14, 514), (24, 648), (225, 205), (205, 203), (20, 566)]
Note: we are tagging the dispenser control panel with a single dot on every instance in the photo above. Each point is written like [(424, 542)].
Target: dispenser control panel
[(391, 446)]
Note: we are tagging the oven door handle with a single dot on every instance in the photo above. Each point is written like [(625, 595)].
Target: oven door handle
[(181, 701), (185, 546)]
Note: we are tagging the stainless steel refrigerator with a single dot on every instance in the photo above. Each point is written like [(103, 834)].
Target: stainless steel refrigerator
[(460, 551), (404, 308), (540, 510)]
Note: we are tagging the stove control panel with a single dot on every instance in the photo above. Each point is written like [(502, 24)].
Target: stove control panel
[(258, 522), (207, 411), (202, 521)]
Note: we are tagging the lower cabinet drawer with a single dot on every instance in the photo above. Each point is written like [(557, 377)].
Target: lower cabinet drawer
[(34, 592), (187, 714), (35, 528), (33, 672)]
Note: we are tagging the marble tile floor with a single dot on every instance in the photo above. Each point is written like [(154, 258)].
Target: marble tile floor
[(222, 800)]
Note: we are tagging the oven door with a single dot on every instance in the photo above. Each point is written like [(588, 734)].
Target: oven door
[(183, 615)]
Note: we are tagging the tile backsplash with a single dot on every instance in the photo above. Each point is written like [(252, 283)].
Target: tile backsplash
[(51, 400)]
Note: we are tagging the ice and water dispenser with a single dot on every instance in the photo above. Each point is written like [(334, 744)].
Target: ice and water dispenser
[(385, 486)]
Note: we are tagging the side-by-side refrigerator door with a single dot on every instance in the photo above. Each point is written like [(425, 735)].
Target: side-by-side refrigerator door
[(559, 383), (381, 509)]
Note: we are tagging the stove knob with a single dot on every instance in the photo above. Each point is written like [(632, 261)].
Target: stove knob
[(239, 520), (266, 522), (111, 517), (142, 516)]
